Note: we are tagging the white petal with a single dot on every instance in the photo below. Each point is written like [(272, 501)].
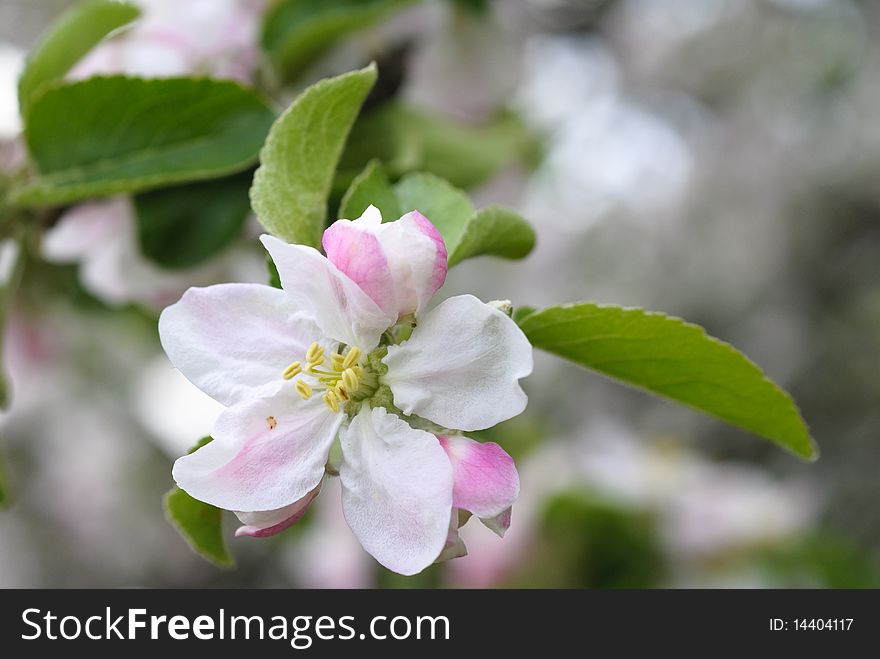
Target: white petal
[(233, 341), (267, 453), (338, 305), (461, 366), (271, 522), (396, 490), (85, 229)]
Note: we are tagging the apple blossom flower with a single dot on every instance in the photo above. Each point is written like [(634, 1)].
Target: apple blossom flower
[(172, 38), (218, 38), (101, 236), (344, 370)]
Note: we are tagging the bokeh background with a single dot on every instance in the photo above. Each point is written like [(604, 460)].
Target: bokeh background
[(714, 159)]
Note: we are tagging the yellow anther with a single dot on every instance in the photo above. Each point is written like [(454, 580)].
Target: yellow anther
[(351, 358), (315, 353), (292, 371), (331, 400), (350, 380), (311, 366), (303, 389), (341, 393), (336, 361)]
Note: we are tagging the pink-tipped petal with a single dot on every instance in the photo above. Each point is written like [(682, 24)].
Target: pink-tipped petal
[(441, 257), (486, 481), (267, 453), (461, 366), (396, 490), (399, 264), (318, 288), (356, 251), (264, 523)]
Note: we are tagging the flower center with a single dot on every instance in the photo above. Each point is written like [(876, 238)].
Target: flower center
[(346, 377)]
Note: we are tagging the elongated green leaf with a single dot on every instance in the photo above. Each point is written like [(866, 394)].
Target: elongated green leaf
[(297, 32), (370, 187), (494, 231), (673, 359), (73, 35), (200, 524), (446, 206), (290, 189), (184, 225), (116, 134)]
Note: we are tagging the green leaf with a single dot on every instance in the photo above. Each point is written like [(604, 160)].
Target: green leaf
[(290, 189), (73, 35), (674, 359), (520, 313), (494, 231), (371, 186), (446, 206), (200, 524), (182, 226), (110, 135), (298, 32), (467, 233), (407, 140)]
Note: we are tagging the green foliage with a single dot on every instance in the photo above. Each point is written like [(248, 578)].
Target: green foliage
[(447, 207), (73, 35), (116, 134), (407, 140), (298, 161), (182, 226), (491, 231), (371, 186), (674, 359), (585, 542), (494, 231), (200, 524), (297, 32)]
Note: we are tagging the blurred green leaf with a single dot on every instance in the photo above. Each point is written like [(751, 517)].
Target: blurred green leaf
[(520, 313), (408, 140), (494, 231), (586, 542), (371, 186), (67, 40), (446, 206), (182, 226), (110, 135), (291, 187), (272, 271), (467, 233), (200, 524), (674, 359), (297, 32)]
